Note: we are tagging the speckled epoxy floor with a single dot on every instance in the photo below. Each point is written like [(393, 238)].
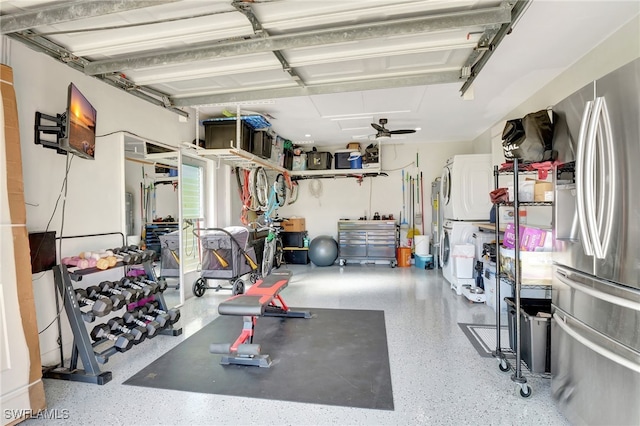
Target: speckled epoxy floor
[(437, 375)]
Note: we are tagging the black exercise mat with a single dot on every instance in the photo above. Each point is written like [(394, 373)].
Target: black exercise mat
[(337, 357), (483, 337)]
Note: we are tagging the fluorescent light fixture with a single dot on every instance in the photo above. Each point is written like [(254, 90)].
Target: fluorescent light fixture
[(418, 129), (363, 114), (242, 103), (307, 135), (360, 117), (304, 142)]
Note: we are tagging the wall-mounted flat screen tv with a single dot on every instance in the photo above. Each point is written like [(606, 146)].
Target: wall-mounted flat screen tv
[(80, 126)]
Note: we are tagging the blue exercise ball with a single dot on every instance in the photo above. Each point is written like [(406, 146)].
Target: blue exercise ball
[(323, 250)]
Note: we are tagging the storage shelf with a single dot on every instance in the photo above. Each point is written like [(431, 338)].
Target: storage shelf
[(238, 158), (329, 173), (528, 203)]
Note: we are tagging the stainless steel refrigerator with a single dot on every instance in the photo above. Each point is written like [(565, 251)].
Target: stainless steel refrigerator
[(595, 327)]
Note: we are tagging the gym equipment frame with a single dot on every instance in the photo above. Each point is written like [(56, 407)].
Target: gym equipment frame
[(83, 347), (262, 299)]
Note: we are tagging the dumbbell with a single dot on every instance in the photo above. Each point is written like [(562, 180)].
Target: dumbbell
[(112, 253), (162, 319), (107, 287), (99, 308), (146, 254), (133, 258), (138, 332), (117, 300), (104, 259), (154, 307), (122, 342), (152, 327), (127, 282), (78, 262), (162, 284), (144, 282), (136, 294)]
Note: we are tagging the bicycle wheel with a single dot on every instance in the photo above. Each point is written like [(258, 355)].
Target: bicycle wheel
[(260, 186), (280, 186), (267, 258), (278, 256)]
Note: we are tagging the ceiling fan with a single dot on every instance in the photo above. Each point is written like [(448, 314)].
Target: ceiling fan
[(383, 132)]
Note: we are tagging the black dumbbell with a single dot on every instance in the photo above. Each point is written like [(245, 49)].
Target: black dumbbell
[(121, 256), (138, 332), (107, 287), (162, 284), (117, 300), (146, 254), (99, 308), (152, 327), (144, 282), (127, 282), (122, 342), (136, 294), (162, 319), (174, 314), (133, 258)]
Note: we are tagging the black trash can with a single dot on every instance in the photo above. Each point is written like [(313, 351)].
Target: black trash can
[(535, 326)]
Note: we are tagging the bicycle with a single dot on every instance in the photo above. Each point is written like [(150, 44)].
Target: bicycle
[(273, 253)]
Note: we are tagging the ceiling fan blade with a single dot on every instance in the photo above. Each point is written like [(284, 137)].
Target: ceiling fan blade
[(402, 131), (378, 127)]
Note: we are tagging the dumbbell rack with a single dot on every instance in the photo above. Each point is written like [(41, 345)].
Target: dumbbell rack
[(83, 348)]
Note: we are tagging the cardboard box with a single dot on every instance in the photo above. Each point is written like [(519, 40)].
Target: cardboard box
[(353, 146), (296, 224), (543, 191)]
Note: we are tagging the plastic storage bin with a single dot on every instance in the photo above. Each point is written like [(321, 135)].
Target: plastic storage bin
[(489, 279), (342, 159), (463, 256), (222, 134), (319, 160), (535, 348), (424, 261), (536, 267), (262, 143), (296, 255)]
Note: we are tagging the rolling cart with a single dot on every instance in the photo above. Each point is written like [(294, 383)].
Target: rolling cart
[(170, 256), (225, 254)]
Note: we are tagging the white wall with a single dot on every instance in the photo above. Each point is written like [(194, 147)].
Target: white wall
[(41, 85), (621, 48)]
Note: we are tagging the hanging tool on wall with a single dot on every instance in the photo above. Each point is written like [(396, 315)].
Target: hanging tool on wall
[(422, 200), (404, 210)]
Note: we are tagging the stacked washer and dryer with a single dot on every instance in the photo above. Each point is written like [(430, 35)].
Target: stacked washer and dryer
[(464, 198)]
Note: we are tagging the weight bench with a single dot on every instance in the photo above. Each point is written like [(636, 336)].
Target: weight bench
[(262, 299)]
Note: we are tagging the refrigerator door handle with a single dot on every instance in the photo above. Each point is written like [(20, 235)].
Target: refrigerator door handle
[(561, 322), (590, 162), (610, 298), (581, 179), (606, 181)]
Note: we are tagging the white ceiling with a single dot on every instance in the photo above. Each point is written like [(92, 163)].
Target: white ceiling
[(412, 79)]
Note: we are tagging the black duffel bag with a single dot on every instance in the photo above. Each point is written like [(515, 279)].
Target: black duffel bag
[(529, 139)]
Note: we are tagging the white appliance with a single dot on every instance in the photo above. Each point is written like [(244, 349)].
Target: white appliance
[(465, 185), (453, 233)]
